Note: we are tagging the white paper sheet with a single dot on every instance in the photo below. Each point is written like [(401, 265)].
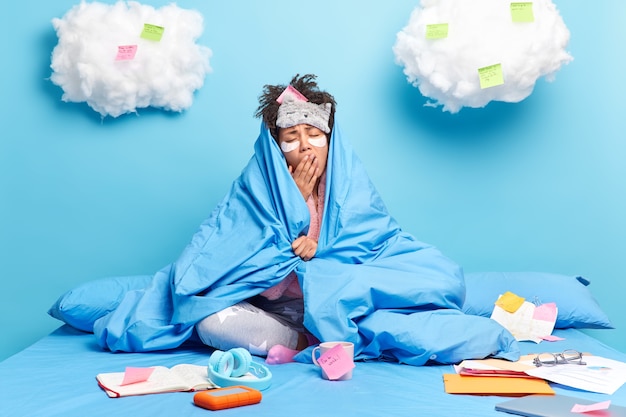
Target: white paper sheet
[(598, 375), (523, 324)]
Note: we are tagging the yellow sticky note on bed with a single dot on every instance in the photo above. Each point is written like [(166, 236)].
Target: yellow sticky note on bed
[(437, 31), (510, 302), (490, 76), (152, 32), (522, 12)]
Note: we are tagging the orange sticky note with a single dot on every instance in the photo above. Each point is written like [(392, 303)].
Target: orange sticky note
[(510, 302), (135, 375)]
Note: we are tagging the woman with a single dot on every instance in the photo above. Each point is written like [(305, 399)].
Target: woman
[(271, 324), (302, 249)]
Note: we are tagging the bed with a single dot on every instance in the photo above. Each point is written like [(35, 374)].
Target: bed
[(56, 375), (369, 283)]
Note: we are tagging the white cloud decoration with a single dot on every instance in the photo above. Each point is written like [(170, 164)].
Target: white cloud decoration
[(466, 53), (124, 56)]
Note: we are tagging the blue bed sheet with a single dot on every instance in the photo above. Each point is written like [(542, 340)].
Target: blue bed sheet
[(56, 377)]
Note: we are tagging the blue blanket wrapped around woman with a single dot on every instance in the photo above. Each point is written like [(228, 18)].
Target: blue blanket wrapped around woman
[(369, 283)]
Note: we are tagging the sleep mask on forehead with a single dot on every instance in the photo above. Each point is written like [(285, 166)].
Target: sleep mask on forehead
[(295, 109)]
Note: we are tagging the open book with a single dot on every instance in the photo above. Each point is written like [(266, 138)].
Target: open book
[(183, 377)]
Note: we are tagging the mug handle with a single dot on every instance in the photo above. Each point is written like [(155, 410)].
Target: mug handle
[(313, 356)]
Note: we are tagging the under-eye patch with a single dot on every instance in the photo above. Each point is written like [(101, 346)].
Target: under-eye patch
[(319, 142), (289, 146)]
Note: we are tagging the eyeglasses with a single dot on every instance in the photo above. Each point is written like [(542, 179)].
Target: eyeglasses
[(568, 356)]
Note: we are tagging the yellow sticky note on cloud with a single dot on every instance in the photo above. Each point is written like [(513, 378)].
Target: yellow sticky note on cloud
[(490, 76), (510, 302), (522, 12), (437, 31), (152, 32)]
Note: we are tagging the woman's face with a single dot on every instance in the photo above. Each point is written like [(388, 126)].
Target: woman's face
[(298, 141)]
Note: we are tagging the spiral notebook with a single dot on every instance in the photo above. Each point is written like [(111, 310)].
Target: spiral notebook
[(554, 406)]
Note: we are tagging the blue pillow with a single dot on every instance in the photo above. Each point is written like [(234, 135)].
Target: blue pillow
[(83, 305), (576, 306)]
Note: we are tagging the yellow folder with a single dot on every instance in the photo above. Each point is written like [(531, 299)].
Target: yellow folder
[(495, 385)]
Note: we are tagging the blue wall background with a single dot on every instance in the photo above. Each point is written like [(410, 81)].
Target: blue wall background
[(533, 186)]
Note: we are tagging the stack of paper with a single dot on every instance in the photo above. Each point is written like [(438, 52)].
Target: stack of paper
[(495, 367), (494, 377), (527, 321), (500, 377)]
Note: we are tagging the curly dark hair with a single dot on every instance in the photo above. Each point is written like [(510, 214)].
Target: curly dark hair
[(306, 84)]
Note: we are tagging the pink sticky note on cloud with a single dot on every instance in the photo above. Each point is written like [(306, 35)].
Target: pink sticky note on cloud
[(126, 52), (579, 408), (336, 362), (135, 375)]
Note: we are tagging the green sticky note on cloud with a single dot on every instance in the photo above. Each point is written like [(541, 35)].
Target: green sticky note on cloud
[(522, 12), (490, 76), (437, 31), (152, 32)]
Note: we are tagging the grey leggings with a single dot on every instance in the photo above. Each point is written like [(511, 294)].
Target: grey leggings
[(256, 324)]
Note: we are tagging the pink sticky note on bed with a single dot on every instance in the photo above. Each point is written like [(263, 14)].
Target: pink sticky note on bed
[(579, 408), (551, 338), (545, 312), (134, 375), (336, 362)]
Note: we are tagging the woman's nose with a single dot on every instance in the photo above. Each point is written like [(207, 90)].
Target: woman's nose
[(304, 143)]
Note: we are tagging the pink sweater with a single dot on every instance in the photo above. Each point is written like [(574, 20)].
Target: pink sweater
[(289, 286)]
